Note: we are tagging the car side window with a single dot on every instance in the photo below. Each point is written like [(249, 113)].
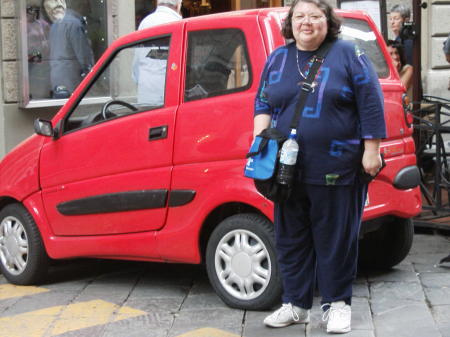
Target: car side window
[(135, 79), (362, 35), (217, 63)]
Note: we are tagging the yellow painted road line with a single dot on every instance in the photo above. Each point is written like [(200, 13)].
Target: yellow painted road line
[(208, 332), (62, 319), (10, 291)]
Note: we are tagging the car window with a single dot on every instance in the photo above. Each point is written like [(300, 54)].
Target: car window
[(362, 35), (217, 63), (135, 79)]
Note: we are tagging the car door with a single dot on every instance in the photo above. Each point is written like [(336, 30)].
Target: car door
[(110, 171), (223, 64)]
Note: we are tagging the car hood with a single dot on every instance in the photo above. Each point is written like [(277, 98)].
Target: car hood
[(19, 170)]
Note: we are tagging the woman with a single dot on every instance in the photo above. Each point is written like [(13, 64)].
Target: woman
[(404, 70), (339, 135), (397, 17)]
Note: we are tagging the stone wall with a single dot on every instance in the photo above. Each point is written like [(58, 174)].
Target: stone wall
[(15, 124), (435, 69)]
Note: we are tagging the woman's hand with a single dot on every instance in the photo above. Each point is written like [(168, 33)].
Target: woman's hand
[(371, 160)]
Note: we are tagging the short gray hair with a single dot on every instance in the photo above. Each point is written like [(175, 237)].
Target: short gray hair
[(403, 10), (173, 3)]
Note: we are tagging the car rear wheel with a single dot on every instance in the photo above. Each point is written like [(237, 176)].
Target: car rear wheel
[(23, 259), (387, 246), (241, 262)]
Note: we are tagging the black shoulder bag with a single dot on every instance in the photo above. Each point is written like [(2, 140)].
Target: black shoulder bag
[(263, 157)]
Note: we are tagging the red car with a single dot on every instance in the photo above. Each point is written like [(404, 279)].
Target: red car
[(145, 161)]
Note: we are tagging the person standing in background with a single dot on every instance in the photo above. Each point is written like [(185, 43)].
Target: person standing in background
[(399, 15), (166, 11), (150, 62), (404, 70)]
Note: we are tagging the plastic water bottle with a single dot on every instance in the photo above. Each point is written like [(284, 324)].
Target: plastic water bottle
[(288, 159)]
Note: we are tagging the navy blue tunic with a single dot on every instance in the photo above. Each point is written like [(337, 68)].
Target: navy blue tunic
[(345, 107)]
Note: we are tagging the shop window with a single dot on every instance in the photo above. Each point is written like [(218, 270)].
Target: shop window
[(217, 63), (60, 42)]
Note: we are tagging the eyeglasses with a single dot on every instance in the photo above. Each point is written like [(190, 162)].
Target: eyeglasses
[(311, 18)]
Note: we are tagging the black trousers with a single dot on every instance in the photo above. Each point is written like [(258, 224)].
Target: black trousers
[(317, 238)]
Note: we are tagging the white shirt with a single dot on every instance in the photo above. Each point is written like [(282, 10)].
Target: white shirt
[(161, 15), (148, 73)]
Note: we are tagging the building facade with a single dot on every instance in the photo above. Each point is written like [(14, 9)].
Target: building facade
[(30, 90)]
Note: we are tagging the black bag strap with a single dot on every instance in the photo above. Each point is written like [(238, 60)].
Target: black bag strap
[(307, 85)]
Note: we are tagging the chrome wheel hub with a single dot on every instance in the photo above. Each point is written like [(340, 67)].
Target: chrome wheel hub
[(13, 245), (243, 264)]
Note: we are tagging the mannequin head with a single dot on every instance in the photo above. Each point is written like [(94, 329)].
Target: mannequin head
[(55, 9)]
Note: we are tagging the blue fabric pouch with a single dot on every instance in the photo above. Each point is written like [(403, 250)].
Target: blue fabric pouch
[(262, 159), (262, 165)]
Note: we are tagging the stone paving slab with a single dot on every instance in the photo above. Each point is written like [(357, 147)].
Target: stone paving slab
[(413, 319), (430, 244), (441, 316), (438, 296), (393, 275), (396, 291), (230, 320), (254, 327), (435, 280), (428, 263)]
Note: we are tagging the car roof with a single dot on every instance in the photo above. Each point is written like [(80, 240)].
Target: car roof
[(233, 15)]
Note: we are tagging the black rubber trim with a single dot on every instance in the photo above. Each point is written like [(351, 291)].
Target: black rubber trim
[(408, 177), (180, 197), (115, 202)]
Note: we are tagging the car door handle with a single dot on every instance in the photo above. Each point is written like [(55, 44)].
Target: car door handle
[(158, 132)]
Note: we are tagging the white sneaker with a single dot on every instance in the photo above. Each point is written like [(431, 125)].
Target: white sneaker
[(288, 314), (339, 316)]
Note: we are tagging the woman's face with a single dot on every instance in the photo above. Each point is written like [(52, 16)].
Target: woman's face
[(309, 26), (56, 9), (395, 22), (395, 57)]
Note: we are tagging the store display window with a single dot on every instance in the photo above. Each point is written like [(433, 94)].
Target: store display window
[(60, 42)]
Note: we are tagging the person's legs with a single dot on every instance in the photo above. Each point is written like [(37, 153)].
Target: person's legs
[(295, 249), (336, 216), (296, 260)]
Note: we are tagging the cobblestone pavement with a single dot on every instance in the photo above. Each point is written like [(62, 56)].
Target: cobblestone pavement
[(134, 299)]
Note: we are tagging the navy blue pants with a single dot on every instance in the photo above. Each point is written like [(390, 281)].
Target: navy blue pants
[(317, 237)]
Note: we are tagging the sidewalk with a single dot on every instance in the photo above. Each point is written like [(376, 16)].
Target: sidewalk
[(167, 300)]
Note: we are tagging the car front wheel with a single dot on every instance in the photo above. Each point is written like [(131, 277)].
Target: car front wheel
[(23, 259), (241, 262)]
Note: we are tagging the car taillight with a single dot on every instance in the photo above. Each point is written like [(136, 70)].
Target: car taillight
[(407, 108)]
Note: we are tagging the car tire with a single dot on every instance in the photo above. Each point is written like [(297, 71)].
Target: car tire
[(241, 262), (23, 259), (388, 245)]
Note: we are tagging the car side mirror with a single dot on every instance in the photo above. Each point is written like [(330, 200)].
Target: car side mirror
[(43, 127)]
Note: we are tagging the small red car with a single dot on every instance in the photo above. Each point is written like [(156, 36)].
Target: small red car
[(145, 161)]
